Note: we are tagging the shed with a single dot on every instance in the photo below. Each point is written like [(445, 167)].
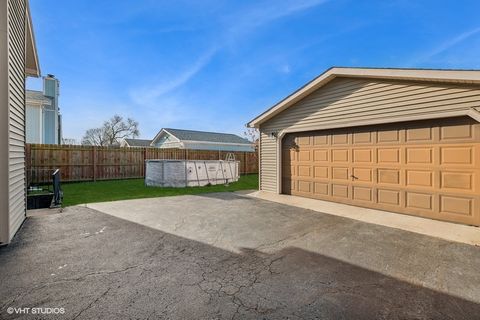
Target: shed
[(400, 140)]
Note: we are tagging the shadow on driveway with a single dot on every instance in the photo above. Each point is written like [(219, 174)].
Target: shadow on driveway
[(100, 267)]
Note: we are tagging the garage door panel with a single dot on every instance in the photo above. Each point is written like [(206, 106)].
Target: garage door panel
[(388, 197), (419, 178), (419, 134), (320, 155), (340, 139), (419, 155), (462, 131), (321, 172), (304, 171), (363, 174), (303, 141), (339, 173), (366, 137), (304, 186), (303, 155), (461, 181), (362, 193), (388, 155), (388, 176), (340, 155), (388, 136), (427, 168), (340, 190), (321, 188), (456, 205), (416, 200), (457, 156), (320, 140), (363, 156)]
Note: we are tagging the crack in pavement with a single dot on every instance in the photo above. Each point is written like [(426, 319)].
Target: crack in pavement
[(289, 238), (235, 271), (92, 303)]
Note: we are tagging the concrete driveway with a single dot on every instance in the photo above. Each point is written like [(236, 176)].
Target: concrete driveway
[(228, 256)]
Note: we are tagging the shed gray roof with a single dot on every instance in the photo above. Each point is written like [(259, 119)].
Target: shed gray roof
[(34, 95), (193, 135), (138, 142)]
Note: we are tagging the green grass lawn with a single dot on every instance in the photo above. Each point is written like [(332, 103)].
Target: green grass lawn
[(87, 192)]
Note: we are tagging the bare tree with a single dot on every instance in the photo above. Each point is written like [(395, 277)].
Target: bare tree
[(111, 132), (94, 137), (252, 135), (69, 141)]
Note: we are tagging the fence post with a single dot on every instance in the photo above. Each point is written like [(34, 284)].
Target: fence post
[(144, 167), (244, 162), (94, 163), (28, 164)]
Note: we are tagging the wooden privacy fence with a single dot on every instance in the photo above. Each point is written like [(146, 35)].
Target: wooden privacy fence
[(88, 163)]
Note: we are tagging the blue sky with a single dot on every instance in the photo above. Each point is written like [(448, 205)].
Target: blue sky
[(213, 65)]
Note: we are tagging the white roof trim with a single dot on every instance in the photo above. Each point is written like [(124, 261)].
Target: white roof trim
[(449, 76)]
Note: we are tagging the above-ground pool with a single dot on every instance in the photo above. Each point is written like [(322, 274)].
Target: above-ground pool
[(190, 173)]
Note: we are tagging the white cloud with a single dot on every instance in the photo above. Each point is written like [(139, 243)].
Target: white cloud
[(148, 95), (271, 11), (446, 45), (243, 23), (264, 13), (159, 102)]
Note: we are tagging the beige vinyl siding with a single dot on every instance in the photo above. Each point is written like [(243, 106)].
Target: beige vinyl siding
[(267, 160), (16, 15), (346, 102)]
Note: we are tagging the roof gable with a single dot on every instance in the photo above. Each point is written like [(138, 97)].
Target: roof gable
[(426, 75)]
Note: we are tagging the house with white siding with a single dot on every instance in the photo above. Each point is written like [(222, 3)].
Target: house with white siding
[(43, 118), (18, 59), (200, 140)]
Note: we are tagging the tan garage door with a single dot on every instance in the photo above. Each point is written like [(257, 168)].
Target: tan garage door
[(424, 168)]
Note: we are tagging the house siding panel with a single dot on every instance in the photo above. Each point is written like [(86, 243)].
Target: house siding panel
[(16, 15), (33, 120), (346, 102), (268, 174)]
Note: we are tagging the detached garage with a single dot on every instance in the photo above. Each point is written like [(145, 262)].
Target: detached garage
[(400, 140)]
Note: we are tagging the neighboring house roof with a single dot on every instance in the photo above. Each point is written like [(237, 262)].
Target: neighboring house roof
[(138, 142), (37, 96), (430, 75), (203, 136)]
